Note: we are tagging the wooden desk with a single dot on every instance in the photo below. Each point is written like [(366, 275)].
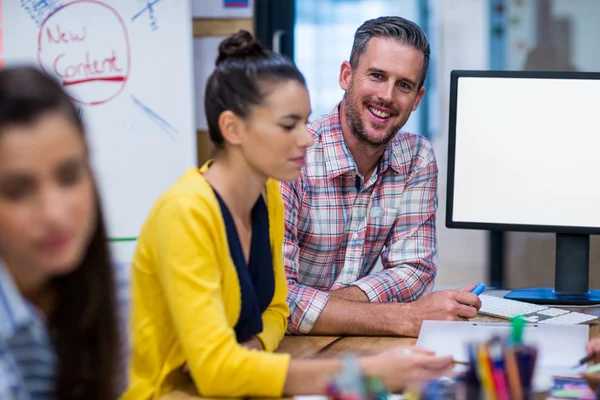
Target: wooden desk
[(331, 346)]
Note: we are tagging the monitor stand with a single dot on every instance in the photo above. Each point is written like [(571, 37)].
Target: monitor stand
[(572, 274)]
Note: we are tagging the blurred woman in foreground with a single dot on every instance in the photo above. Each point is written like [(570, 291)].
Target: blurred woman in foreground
[(58, 327)]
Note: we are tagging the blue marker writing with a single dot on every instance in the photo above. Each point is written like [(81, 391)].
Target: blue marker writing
[(478, 289)]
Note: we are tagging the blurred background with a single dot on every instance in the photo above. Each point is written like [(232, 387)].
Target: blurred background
[(559, 35)]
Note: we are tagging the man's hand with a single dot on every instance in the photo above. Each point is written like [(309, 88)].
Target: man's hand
[(445, 305)]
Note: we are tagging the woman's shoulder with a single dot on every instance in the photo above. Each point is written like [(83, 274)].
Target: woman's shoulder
[(191, 192)]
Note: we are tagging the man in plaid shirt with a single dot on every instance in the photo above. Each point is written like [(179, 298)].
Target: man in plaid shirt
[(368, 190)]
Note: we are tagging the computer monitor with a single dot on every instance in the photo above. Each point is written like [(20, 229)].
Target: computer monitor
[(524, 155)]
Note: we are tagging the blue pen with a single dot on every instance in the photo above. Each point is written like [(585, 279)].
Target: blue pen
[(478, 289)]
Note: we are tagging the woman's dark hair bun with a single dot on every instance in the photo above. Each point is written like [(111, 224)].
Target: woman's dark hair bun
[(238, 46), (237, 83)]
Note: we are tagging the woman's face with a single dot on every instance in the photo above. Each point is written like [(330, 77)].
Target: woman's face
[(276, 137), (47, 197)]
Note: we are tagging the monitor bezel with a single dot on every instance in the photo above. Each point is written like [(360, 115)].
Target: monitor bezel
[(454, 77)]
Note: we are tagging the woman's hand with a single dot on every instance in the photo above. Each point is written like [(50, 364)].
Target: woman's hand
[(254, 343), (400, 366), (594, 347)]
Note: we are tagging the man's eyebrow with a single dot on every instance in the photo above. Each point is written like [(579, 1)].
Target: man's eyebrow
[(376, 70)]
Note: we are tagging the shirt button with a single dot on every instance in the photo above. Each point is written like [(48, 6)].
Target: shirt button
[(354, 235)]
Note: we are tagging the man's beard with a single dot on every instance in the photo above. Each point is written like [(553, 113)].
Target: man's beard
[(353, 116)]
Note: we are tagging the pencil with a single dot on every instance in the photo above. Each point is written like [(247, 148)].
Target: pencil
[(512, 373)]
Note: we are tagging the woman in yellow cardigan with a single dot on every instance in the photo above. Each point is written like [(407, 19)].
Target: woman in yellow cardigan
[(208, 282)]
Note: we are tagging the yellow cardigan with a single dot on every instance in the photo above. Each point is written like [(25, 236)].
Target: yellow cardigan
[(186, 300)]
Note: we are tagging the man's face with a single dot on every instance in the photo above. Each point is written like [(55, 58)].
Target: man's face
[(383, 91)]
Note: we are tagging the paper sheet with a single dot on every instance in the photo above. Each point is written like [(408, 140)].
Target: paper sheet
[(560, 347)]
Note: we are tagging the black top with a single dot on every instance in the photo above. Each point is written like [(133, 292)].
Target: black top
[(257, 280)]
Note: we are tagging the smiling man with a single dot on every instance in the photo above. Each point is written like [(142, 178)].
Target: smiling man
[(368, 191)]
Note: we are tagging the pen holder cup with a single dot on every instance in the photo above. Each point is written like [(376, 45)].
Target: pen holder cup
[(498, 368)]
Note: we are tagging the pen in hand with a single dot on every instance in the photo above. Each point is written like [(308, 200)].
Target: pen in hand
[(586, 359)]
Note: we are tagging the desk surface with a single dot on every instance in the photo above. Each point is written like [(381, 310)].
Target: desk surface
[(328, 346)]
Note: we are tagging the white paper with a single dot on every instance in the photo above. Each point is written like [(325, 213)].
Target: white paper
[(560, 347)]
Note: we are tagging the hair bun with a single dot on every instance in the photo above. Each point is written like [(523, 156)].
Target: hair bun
[(239, 45)]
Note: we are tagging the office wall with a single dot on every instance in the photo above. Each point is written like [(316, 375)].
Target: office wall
[(460, 40), (585, 32), (549, 35), (210, 25)]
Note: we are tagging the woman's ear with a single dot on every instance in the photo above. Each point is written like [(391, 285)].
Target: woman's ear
[(232, 127)]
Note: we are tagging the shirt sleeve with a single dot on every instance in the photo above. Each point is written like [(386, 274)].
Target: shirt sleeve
[(123, 301), (306, 303), (410, 255), (275, 317), (11, 386), (191, 275)]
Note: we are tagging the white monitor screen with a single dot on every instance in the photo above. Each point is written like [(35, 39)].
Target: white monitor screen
[(527, 152)]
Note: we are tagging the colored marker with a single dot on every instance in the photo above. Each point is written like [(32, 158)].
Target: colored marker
[(498, 369), (478, 289), (518, 323)]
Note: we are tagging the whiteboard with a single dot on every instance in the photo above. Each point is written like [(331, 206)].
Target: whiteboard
[(128, 65)]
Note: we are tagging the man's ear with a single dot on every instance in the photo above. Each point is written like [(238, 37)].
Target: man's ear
[(420, 95), (345, 75), (232, 127)]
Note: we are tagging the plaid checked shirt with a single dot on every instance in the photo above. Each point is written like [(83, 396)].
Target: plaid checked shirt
[(338, 224)]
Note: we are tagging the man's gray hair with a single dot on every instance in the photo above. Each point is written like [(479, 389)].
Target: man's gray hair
[(396, 28)]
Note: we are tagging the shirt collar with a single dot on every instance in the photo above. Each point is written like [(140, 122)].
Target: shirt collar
[(391, 155), (15, 312), (339, 160)]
